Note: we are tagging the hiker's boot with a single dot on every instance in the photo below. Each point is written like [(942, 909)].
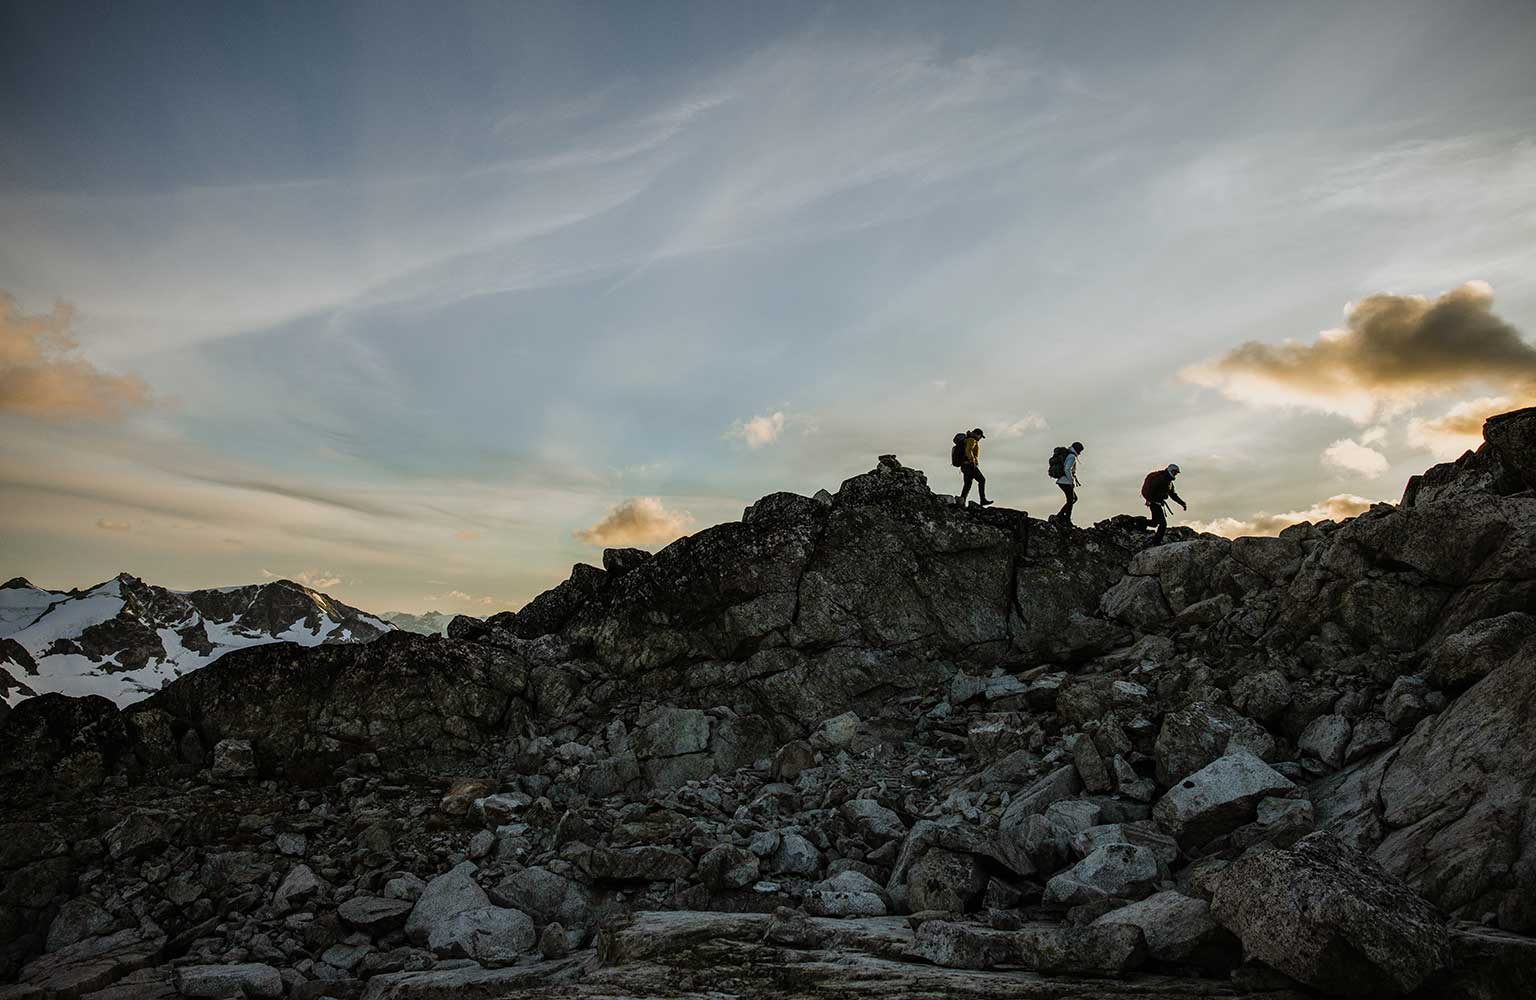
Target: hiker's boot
[(988, 503)]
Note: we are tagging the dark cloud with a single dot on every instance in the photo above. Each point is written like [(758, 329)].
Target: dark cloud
[(1393, 348), (637, 521), (42, 375)]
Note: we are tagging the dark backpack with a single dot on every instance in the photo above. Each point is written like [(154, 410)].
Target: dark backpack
[(957, 453), (1058, 466)]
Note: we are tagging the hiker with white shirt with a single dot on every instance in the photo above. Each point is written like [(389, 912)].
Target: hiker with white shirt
[(1063, 469)]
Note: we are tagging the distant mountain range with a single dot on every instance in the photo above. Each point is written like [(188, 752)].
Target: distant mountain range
[(431, 623), (124, 638)]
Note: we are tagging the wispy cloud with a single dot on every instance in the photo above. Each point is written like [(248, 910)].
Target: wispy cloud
[(107, 524), (1027, 424), (639, 521)]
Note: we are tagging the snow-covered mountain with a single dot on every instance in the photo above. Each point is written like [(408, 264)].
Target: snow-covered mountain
[(124, 638), (431, 623)]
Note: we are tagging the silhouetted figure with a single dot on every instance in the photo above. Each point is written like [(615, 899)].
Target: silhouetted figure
[(1157, 489), (966, 455), (1063, 469)]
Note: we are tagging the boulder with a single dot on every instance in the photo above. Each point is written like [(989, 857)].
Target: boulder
[(846, 894), (546, 896), (1325, 739), (1218, 798), (215, 982), (1139, 833), (1137, 601), (234, 758), (491, 935), (945, 881), (1195, 736), (1177, 929), (1032, 844), (1265, 695), (300, 886), (451, 893), (726, 866), (795, 855), (1110, 950), (89, 964), (1327, 915), (77, 920), (1466, 656), (1121, 871), (373, 915), (143, 832), (871, 821), (639, 864), (617, 562)]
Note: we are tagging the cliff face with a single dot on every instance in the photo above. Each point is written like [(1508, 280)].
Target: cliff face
[(870, 703)]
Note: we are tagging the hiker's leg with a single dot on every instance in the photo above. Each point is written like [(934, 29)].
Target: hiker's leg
[(1065, 514), (967, 472), (1159, 518), (981, 485)]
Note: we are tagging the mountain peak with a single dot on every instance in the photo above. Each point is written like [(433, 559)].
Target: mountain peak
[(17, 583)]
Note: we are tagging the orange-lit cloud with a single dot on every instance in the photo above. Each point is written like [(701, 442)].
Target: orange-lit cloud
[(1461, 427), (42, 375), (1335, 508), (638, 521), (107, 524), (759, 431), (1394, 350)]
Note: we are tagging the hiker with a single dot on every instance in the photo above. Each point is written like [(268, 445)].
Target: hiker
[(1157, 489), (1063, 469), (966, 456)]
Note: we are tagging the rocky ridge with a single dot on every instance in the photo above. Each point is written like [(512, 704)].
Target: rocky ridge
[(854, 743)]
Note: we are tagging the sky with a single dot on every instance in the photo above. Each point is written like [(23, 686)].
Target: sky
[(420, 304)]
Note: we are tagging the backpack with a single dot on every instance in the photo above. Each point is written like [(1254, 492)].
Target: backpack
[(1154, 488), (957, 453), (1058, 466)]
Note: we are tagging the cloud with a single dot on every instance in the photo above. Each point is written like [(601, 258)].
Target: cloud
[(637, 521), (1351, 456), (759, 431), (1335, 508), (1461, 427), (1394, 350), (1018, 428), (313, 579), (109, 525), (42, 375), (467, 535), (460, 596)]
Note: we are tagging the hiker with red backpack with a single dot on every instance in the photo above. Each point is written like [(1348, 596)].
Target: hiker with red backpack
[(1156, 490), (1063, 470), (966, 456)]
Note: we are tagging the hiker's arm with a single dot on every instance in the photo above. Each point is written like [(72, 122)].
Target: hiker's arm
[(1177, 499)]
